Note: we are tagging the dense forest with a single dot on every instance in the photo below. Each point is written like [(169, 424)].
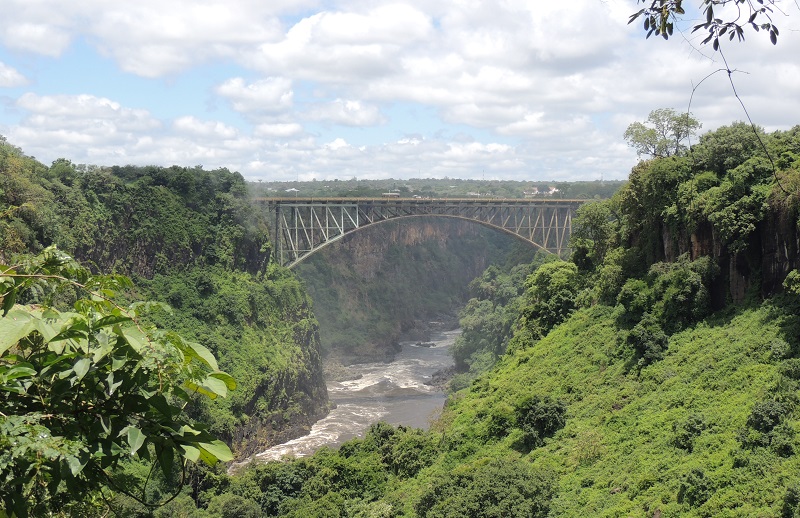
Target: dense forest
[(656, 373), (189, 238)]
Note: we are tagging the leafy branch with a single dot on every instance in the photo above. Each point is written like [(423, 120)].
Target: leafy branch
[(85, 389), (660, 18)]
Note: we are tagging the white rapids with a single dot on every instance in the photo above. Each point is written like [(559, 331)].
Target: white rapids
[(394, 392)]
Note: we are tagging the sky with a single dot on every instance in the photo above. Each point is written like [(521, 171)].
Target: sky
[(368, 89)]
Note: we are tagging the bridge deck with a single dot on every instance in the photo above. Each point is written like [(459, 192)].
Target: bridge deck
[(304, 225), (422, 201)]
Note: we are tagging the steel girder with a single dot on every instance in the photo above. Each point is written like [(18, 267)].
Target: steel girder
[(302, 226)]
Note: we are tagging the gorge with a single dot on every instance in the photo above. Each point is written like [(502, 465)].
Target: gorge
[(655, 373)]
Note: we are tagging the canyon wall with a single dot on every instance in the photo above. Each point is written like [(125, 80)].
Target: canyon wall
[(397, 280)]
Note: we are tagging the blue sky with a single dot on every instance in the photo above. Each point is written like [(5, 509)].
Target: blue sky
[(368, 88)]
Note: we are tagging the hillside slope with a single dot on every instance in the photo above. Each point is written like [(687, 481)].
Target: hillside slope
[(191, 238), (673, 437)]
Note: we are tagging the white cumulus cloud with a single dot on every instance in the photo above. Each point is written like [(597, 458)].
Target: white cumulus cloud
[(346, 113), (10, 78), (271, 95)]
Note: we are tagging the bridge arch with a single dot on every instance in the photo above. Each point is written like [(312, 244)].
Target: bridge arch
[(302, 226)]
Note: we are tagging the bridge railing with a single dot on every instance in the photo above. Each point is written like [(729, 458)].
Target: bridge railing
[(303, 225)]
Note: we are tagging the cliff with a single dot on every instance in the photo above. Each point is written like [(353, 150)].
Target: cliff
[(393, 280), (761, 267), (191, 238)]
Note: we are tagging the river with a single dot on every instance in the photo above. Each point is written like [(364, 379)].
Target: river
[(394, 392)]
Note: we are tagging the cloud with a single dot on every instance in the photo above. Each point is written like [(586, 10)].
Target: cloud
[(83, 111), (346, 113), (193, 127), (150, 38), (271, 96), (517, 89), (278, 130), (81, 127), (10, 78), (345, 47), (38, 38)]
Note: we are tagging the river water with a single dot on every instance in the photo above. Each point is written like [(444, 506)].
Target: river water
[(393, 392)]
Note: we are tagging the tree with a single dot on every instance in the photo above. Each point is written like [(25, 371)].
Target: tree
[(593, 229), (662, 134), (660, 18), (550, 296), (83, 390)]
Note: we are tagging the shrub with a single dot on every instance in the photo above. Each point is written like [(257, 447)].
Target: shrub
[(791, 502), (685, 432), (681, 291), (233, 506), (695, 488), (550, 296), (766, 415), (637, 299), (648, 341), (412, 452), (790, 368), (539, 417), (501, 419), (490, 489)]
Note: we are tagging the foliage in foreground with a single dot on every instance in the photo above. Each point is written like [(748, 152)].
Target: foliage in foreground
[(84, 390), (192, 238)]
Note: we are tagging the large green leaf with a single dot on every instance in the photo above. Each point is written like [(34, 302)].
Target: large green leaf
[(229, 381), (216, 451), (210, 387), (20, 370), (111, 320), (8, 301), (200, 352), (190, 452), (135, 439), (133, 336), (81, 367), (15, 326), (165, 460)]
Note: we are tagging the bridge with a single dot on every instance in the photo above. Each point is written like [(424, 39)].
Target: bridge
[(301, 226)]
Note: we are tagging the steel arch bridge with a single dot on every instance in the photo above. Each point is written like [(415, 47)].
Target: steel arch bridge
[(301, 226)]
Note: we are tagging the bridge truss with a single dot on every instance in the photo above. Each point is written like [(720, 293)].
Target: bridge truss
[(302, 226)]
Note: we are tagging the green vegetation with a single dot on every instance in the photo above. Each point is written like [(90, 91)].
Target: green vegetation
[(647, 377), (192, 239), (389, 281), (86, 390), (663, 134), (186, 236), (655, 374)]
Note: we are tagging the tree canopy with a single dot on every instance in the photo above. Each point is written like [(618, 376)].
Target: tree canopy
[(662, 134)]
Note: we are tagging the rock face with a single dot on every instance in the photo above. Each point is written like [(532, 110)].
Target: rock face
[(396, 280), (772, 252), (292, 400)]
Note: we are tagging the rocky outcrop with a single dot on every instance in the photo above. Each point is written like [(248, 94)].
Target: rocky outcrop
[(292, 400), (773, 251)]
